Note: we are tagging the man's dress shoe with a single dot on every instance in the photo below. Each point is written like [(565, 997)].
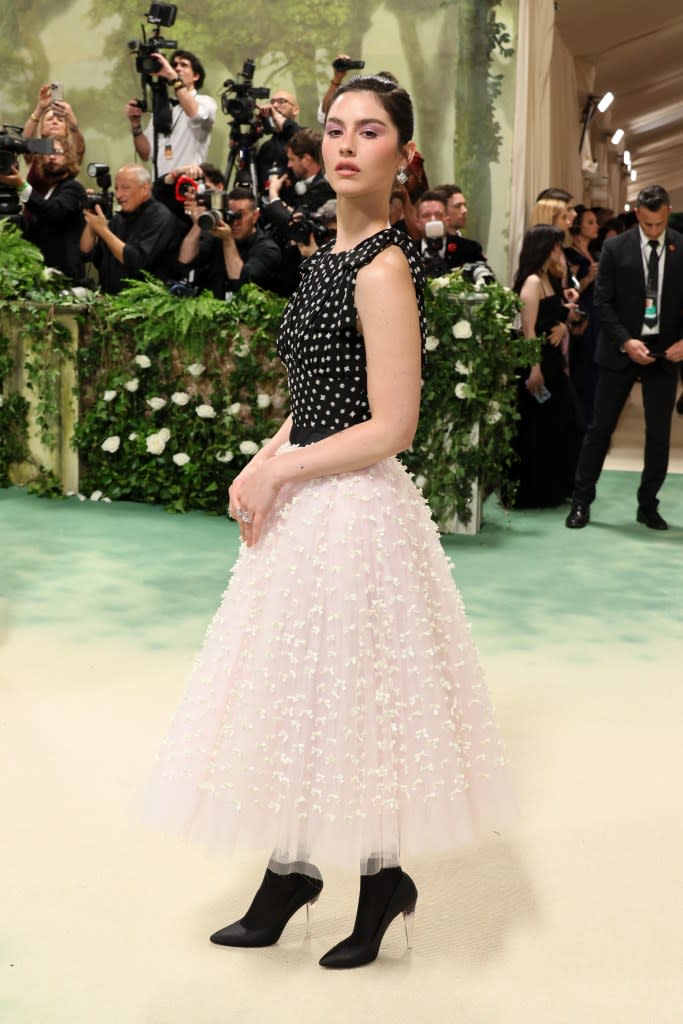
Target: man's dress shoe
[(579, 516), (651, 517)]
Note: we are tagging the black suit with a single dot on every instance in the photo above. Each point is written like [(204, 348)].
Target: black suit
[(620, 302), (55, 225)]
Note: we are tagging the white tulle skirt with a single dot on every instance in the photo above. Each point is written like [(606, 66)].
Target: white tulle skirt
[(337, 710)]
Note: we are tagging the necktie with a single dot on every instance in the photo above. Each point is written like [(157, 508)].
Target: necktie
[(651, 287)]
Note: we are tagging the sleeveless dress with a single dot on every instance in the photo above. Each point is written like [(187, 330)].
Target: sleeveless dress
[(337, 709), (549, 434)]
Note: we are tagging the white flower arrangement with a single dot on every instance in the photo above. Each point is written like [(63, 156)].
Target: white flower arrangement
[(180, 398), (132, 437), (205, 412), (462, 390), (234, 409), (111, 444), (437, 283), (420, 481), (181, 458), (494, 413), (164, 433), (262, 400), (463, 369), (226, 456), (431, 343), (196, 369), (96, 495), (132, 385), (249, 447), (143, 361), (156, 403), (462, 329), (110, 395)]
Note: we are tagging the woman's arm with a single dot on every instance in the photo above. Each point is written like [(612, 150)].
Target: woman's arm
[(387, 309), (531, 294)]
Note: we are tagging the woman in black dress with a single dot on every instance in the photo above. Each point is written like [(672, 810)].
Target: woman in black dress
[(337, 709), (549, 431)]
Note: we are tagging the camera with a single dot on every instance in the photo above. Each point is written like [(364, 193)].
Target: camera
[(12, 144), (238, 101), (478, 273), (342, 64), (216, 209), (302, 225), (145, 64), (104, 198)]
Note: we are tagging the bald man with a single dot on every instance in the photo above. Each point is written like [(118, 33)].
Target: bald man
[(279, 118), (144, 235)]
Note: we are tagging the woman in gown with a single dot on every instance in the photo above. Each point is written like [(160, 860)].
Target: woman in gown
[(337, 709), (549, 431)]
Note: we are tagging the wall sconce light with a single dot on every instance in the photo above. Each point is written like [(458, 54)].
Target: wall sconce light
[(618, 136)]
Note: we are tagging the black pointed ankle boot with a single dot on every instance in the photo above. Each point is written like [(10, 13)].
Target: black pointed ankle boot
[(277, 899), (383, 897)]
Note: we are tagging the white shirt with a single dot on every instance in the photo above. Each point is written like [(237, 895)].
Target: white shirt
[(646, 250), (190, 136)]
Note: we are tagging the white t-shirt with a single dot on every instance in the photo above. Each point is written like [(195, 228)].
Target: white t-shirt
[(189, 140)]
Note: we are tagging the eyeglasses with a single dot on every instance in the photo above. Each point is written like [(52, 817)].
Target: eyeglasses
[(277, 101)]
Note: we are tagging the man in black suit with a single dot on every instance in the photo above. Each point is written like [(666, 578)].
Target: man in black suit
[(459, 250), (639, 297)]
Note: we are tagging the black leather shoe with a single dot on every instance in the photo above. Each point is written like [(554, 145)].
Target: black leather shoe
[(579, 516), (679, 404), (651, 517)]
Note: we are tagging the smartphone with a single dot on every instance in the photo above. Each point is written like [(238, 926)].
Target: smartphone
[(541, 396), (57, 90)]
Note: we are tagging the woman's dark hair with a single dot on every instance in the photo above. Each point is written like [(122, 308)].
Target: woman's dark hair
[(580, 211), (393, 98), (537, 245)]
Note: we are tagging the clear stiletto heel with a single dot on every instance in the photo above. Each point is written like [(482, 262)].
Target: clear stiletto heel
[(309, 916), (409, 925)]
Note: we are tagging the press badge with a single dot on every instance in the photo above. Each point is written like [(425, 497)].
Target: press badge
[(168, 151), (650, 318)]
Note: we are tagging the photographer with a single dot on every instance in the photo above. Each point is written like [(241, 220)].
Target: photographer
[(234, 253), (53, 222), (192, 117), (144, 235), (164, 188), (278, 116), (308, 193)]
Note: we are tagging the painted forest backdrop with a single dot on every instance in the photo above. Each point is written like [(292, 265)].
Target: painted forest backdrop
[(456, 58)]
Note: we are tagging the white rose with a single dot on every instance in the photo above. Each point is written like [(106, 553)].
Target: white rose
[(131, 437), (155, 444), (96, 495), (111, 444), (180, 397), (420, 481), (132, 385), (107, 500), (462, 368), (431, 343), (164, 434), (248, 447), (181, 458), (263, 400), (437, 283), (494, 413), (195, 369), (156, 403), (463, 329), (144, 361), (109, 396), (205, 412), (225, 456), (462, 390), (234, 409)]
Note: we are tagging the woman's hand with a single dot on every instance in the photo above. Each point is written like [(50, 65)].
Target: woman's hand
[(252, 495), (557, 334), (536, 381)]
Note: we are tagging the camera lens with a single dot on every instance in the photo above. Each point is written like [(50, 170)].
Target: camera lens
[(208, 219)]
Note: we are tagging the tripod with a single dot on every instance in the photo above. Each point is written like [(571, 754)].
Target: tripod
[(242, 155)]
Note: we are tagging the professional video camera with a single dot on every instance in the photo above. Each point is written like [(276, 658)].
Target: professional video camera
[(12, 144), (432, 261), (238, 101), (145, 64), (104, 199), (11, 147)]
